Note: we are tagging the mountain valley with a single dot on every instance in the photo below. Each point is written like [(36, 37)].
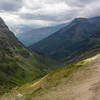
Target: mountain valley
[(32, 36), (71, 72)]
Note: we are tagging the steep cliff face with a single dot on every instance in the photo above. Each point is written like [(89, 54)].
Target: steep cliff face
[(7, 38)]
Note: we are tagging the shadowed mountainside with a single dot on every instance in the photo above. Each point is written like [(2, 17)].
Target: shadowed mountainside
[(75, 39)]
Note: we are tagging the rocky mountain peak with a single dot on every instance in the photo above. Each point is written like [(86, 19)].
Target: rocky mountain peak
[(2, 24), (7, 38)]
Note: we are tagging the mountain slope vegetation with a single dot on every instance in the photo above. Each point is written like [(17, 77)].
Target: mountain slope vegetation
[(18, 65), (63, 83), (75, 82)]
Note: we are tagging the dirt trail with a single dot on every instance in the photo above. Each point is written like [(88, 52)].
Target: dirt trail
[(84, 86), (13, 95)]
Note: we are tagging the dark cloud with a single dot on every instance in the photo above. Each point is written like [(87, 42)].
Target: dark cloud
[(78, 3), (49, 10), (38, 17), (68, 15), (10, 5)]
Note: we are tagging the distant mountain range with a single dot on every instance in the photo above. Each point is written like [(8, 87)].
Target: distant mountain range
[(73, 40), (30, 36), (19, 29)]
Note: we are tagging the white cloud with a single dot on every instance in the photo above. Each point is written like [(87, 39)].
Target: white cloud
[(46, 12)]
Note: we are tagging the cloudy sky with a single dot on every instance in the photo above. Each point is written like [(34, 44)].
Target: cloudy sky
[(46, 12)]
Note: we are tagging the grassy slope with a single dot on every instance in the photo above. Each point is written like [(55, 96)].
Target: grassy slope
[(56, 83), (50, 82), (18, 65), (25, 67), (51, 85)]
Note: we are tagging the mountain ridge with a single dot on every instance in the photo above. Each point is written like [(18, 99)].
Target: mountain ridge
[(19, 65), (58, 45)]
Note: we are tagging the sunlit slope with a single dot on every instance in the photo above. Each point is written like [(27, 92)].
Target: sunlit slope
[(73, 82)]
